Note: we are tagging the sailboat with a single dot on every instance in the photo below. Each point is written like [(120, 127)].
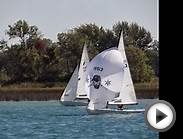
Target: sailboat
[(109, 82), (74, 93), (81, 93), (127, 93), (69, 94)]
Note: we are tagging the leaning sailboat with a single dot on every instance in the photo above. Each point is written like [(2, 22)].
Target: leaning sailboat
[(109, 82), (74, 93)]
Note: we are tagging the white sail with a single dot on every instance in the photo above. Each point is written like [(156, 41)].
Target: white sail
[(100, 97), (81, 93), (103, 80), (110, 83), (69, 93), (127, 92)]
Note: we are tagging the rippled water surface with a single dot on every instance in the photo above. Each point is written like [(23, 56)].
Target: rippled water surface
[(51, 120)]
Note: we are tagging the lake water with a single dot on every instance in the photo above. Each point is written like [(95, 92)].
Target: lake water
[(51, 120)]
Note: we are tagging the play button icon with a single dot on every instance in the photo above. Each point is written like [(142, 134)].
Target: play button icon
[(160, 116)]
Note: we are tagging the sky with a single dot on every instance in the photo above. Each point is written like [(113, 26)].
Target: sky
[(54, 16)]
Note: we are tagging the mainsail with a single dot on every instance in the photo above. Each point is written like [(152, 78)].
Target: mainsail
[(82, 74), (127, 92), (103, 80), (69, 93)]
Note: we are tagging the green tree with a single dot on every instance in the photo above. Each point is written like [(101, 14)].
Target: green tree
[(138, 62), (153, 57), (72, 42), (40, 59), (3, 45), (18, 59), (98, 38), (70, 49), (134, 35), (154, 46), (23, 31)]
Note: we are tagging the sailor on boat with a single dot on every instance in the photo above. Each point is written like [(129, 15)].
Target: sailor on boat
[(120, 107)]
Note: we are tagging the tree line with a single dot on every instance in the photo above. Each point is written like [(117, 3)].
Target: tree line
[(35, 58)]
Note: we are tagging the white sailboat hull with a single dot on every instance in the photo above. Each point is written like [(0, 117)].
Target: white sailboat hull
[(116, 111), (119, 103), (76, 102)]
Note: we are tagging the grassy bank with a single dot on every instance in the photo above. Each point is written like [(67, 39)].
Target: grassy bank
[(17, 93), (40, 94)]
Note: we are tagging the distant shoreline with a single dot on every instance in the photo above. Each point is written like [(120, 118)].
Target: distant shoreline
[(45, 94)]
